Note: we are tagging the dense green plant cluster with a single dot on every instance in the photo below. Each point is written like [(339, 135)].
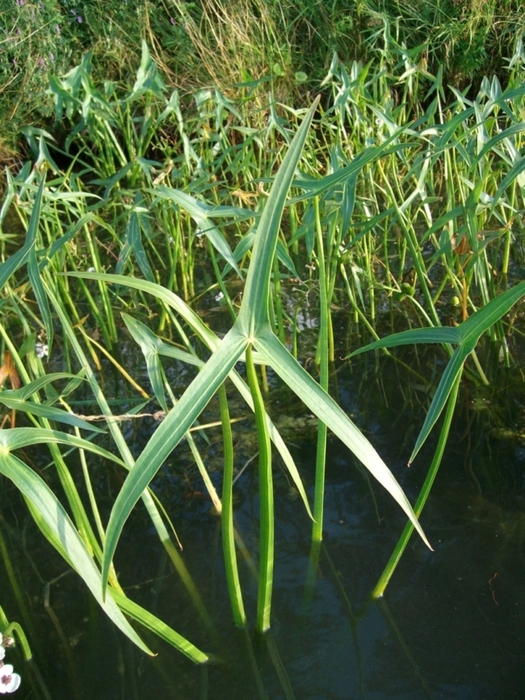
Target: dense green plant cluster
[(286, 43), (150, 202)]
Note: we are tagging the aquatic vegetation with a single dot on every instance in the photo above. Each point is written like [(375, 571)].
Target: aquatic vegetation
[(161, 210), (9, 680)]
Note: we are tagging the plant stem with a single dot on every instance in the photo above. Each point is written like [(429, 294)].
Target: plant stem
[(425, 491), (266, 544), (322, 349), (228, 531)]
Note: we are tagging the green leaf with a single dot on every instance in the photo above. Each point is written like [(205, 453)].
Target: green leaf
[(22, 256), (11, 400), (446, 383), (16, 438), (161, 629), (466, 336), (416, 335), (254, 309), (56, 525), (134, 241), (328, 411), (167, 436), (25, 392), (149, 344), (202, 214)]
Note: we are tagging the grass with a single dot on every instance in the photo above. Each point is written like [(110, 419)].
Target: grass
[(395, 190), (283, 44)]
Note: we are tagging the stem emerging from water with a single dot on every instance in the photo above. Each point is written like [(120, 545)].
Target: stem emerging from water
[(228, 533), (266, 544), (425, 491)]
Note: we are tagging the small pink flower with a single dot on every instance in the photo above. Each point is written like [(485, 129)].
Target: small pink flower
[(9, 681)]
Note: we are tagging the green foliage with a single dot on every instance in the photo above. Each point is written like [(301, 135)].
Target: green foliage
[(284, 43), (168, 203)]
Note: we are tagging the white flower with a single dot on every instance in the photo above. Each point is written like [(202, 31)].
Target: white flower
[(9, 681), (41, 350), (91, 269), (2, 652)]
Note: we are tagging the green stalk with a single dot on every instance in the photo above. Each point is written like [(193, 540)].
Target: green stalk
[(322, 349), (90, 492), (73, 497), (266, 539), (384, 579), (359, 315), (111, 329), (228, 530), (220, 281), (127, 457)]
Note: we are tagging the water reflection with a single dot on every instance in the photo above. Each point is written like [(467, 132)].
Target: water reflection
[(451, 625)]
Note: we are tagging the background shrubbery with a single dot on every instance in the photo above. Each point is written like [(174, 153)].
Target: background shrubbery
[(221, 43)]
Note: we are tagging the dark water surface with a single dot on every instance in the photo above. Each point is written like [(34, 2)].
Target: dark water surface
[(451, 624)]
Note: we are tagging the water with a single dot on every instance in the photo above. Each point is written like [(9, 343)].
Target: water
[(452, 622)]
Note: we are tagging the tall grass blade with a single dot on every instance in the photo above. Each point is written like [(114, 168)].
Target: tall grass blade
[(160, 628), (466, 336), (63, 535), (327, 410), (168, 435), (254, 311), (16, 438), (396, 555)]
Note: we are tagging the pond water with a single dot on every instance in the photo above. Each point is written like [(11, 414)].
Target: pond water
[(450, 626)]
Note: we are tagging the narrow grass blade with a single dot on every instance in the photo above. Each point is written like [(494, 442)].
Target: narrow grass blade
[(16, 438), (168, 435), (254, 308), (513, 173), (484, 318), (423, 495), (202, 214), (35, 278), (14, 262), (466, 336), (329, 182), (147, 342), (440, 335), (36, 409), (327, 410), (161, 629), (446, 383), (63, 536), (26, 391)]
